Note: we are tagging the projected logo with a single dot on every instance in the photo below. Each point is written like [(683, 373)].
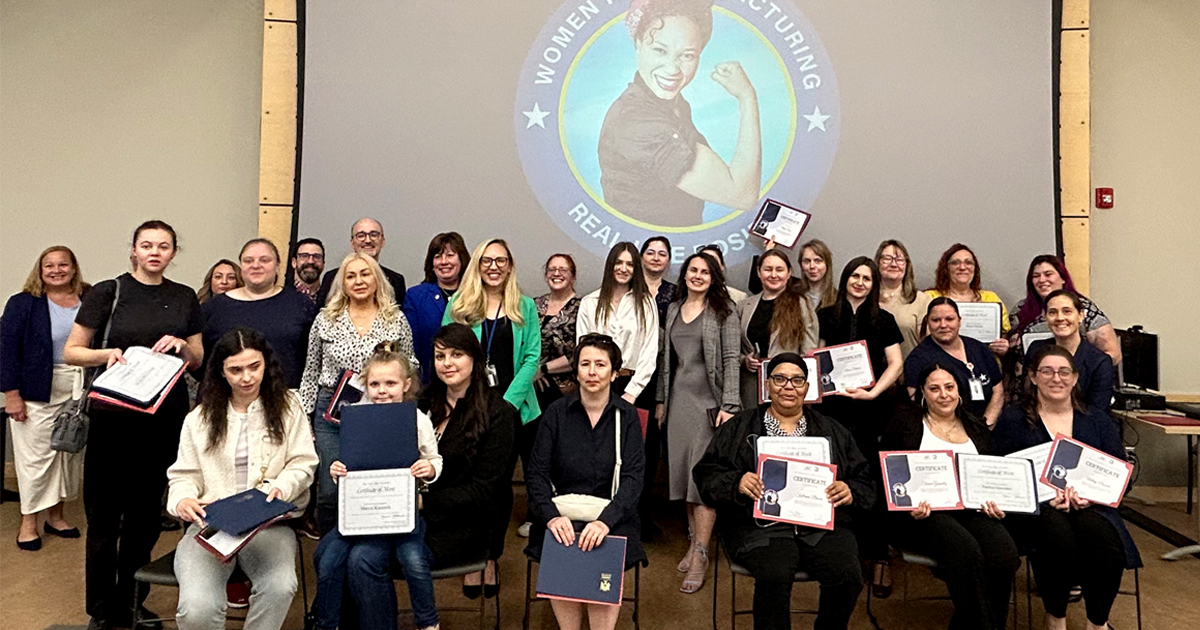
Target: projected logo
[(675, 117)]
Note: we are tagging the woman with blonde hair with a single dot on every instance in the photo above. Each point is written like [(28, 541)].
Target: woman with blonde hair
[(816, 260), (360, 313), (223, 276), (898, 292), (509, 329), (37, 384)]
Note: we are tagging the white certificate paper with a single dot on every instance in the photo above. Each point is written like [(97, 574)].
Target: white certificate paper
[(1007, 481), (1037, 455), (980, 320), (814, 393), (807, 448), (1094, 474), (377, 502), (795, 492), (846, 366), (780, 223), (142, 377), (914, 477)]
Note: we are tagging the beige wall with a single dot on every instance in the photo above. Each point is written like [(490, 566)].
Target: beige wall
[(115, 112)]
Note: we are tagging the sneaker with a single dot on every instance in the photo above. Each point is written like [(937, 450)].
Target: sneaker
[(237, 594), (523, 530)]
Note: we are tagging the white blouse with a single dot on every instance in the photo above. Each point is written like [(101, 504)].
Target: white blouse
[(335, 346), (931, 442), (638, 344)]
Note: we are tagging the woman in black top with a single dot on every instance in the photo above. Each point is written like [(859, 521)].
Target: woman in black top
[(655, 166), (971, 361), (1064, 315), (975, 554), (576, 452), (656, 261), (857, 316), (125, 469)]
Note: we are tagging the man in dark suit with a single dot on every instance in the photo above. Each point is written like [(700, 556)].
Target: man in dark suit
[(366, 237)]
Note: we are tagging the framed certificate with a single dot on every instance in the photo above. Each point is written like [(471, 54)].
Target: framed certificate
[(980, 320), (377, 502), (1037, 455), (814, 394), (1094, 474), (845, 366), (794, 492), (781, 223), (807, 448), (1010, 482), (913, 477)]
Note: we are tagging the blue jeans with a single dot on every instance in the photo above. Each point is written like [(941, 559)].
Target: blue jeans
[(366, 561), (328, 444)]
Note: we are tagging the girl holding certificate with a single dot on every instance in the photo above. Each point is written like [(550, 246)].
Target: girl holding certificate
[(1064, 315), (1073, 542), (975, 554), (777, 320), (128, 452), (248, 431), (389, 377)]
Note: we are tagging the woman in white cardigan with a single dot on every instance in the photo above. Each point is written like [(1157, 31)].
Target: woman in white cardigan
[(246, 432)]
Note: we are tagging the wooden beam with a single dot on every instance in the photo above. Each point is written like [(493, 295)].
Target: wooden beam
[(277, 152), (1075, 140)]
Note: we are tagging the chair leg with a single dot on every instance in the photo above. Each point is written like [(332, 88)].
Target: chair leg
[(1137, 596), (499, 589), (716, 577), (137, 621), (528, 578), (1028, 593), (637, 598), (303, 573)]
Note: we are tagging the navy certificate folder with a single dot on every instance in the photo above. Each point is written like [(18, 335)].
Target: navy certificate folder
[(594, 577), (242, 512), (379, 436)]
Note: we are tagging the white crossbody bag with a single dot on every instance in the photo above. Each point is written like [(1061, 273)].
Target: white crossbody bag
[(585, 507)]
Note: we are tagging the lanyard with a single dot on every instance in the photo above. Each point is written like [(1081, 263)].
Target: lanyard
[(491, 332)]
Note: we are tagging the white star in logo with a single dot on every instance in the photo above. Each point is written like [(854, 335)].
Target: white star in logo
[(536, 117), (816, 120)]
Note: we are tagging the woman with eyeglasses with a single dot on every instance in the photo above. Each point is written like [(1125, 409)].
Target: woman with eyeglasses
[(446, 261), (1048, 274), (489, 300), (958, 278), (970, 360), (1074, 542), (898, 292), (1064, 315), (779, 319)]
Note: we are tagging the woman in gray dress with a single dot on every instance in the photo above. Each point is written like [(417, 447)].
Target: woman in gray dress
[(697, 390)]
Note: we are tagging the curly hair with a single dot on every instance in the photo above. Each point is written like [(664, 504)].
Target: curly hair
[(647, 17)]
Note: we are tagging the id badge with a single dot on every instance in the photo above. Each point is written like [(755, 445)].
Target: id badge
[(493, 380), (976, 389)]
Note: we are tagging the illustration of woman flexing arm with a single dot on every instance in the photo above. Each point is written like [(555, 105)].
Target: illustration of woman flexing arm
[(655, 165)]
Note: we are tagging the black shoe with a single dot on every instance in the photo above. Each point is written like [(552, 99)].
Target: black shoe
[(72, 532), (96, 623), (490, 590), (30, 545), (472, 591), (169, 524)]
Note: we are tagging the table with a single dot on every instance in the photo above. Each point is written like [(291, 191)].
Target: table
[(1170, 423)]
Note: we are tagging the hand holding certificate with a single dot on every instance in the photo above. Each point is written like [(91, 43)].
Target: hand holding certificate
[(1037, 455), (845, 366), (779, 223), (1007, 482), (915, 477), (1089, 473), (980, 320), (795, 491), (141, 383), (807, 448), (377, 502)]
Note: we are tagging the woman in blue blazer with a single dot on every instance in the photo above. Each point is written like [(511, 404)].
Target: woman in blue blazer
[(37, 385), (425, 304)]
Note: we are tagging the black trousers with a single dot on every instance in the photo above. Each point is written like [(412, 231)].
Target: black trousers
[(124, 476), (503, 497), (976, 557), (1077, 548), (833, 562), (866, 419), (653, 440)]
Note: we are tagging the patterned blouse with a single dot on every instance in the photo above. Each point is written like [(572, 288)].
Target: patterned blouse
[(1093, 318), (335, 346), (771, 424), (558, 335)]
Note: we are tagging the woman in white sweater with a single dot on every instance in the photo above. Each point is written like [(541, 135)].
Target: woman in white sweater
[(246, 432)]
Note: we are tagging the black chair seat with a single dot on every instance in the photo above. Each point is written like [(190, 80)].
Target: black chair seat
[(441, 573), (738, 569), (160, 572)]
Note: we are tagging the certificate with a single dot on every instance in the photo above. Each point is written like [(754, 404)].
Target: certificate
[(814, 393), (806, 448), (1009, 482), (1037, 455), (794, 492), (780, 223), (980, 320), (1028, 338), (377, 502), (1094, 474), (141, 382), (914, 477), (846, 366)]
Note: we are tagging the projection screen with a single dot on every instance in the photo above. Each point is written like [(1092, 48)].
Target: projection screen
[(544, 123)]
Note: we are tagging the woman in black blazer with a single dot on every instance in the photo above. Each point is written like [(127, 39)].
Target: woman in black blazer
[(37, 384), (976, 556)]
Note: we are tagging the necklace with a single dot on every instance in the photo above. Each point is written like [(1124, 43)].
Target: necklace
[(938, 429)]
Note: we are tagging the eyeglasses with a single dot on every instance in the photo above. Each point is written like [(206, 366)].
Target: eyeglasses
[(1063, 373), (312, 257), (781, 381), (966, 264), (550, 271), (887, 260), (373, 235), (500, 261)]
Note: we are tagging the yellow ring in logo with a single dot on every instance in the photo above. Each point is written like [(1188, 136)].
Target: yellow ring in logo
[(562, 132)]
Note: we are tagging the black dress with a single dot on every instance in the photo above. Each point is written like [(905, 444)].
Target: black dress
[(570, 456)]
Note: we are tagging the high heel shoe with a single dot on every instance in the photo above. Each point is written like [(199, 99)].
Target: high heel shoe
[(880, 590), (697, 571), (472, 591)]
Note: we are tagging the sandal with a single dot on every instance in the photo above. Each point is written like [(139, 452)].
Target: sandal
[(686, 563), (697, 570)]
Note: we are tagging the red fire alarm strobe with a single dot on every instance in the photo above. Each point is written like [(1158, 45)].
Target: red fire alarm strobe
[(1104, 197)]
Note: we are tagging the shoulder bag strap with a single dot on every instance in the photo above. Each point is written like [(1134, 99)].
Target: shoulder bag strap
[(616, 483), (104, 339)]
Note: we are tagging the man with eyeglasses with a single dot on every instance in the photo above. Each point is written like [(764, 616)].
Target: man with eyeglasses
[(308, 261), (772, 551), (366, 237)]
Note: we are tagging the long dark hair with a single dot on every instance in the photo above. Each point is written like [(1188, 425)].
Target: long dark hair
[(215, 392), (455, 242), (941, 278), (637, 285), (472, 409), (960, 411), (717, 297), (1034, 305), (872, 300), (1029, 399)]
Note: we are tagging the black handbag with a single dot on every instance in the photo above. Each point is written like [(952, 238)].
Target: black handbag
[(70, 431)]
